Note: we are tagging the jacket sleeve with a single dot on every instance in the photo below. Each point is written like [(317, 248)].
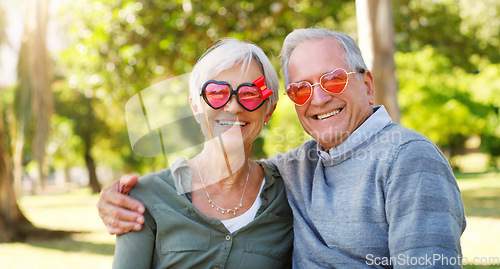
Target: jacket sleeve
[(135, 249)]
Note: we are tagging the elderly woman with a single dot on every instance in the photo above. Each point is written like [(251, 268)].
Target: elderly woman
[(219, 209)]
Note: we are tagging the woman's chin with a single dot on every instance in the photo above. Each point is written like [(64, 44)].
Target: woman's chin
[(233, 145)]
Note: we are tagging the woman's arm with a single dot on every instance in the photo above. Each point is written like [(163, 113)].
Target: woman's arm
[(135, 249)]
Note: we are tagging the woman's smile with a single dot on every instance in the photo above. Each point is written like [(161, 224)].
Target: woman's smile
[(231, 123)]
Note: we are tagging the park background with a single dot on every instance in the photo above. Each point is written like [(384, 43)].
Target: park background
[(69, 67)]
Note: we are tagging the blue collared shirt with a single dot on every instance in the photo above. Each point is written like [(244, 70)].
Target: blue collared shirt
[(378, 120)]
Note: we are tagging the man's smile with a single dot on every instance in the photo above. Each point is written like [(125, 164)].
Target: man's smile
[(327, 115)]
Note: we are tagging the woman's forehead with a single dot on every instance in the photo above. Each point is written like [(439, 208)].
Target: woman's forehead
[(240, 73)]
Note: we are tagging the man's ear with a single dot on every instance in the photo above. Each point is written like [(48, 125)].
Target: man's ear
[(370, 89)]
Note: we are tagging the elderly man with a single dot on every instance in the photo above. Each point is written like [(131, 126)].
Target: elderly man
[(366, 192)]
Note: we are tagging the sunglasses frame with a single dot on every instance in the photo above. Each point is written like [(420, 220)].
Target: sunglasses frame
[(319, 83), (232, 92)]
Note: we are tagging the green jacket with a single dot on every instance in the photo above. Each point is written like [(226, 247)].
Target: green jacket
[(177, 235)]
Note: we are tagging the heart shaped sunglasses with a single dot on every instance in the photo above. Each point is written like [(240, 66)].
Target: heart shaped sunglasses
[(334, 82), (250, 96)]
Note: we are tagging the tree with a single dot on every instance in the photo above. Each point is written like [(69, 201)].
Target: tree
[(77, 108), (444, 108), (11, 217), (376, 40), (463, 31), (448, 91), (34, 100)]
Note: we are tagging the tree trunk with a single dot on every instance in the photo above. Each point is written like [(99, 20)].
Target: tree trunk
[(41, 78), (93, 182), (376, 41), (67, 174), (42, 171), (11, 217), (34, 98), (18, 160)]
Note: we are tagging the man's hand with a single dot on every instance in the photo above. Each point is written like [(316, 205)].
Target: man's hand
[(118, 211)]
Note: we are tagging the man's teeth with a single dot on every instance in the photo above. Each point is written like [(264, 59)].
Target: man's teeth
[(329, 114), (232, 123)]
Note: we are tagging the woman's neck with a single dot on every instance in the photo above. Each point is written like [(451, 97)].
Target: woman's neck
[(225, 167)]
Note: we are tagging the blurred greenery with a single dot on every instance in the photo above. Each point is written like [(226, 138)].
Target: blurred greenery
[(461, 30), (122, 47), (447, 68), (447, 63), (444, 102)]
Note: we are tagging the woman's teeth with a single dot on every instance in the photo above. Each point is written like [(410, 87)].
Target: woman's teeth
[(329, 114), (232, 123)]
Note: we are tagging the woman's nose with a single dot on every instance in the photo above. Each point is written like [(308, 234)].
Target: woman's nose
[(233, 105)]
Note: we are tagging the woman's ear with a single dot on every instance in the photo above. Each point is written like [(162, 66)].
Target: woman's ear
[(195, 108), (270, 111)]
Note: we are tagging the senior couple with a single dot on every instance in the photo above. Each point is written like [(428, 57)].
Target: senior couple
[(365, 192)]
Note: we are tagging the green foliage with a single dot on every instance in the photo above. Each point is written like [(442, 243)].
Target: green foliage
[(6, 100), (459, 29), (444, 102), (121, 47), (448, 69)]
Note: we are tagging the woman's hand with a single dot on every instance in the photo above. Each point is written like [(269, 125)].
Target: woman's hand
[(118, 211)]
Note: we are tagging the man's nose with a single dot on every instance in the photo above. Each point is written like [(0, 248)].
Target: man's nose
[(319, 96)]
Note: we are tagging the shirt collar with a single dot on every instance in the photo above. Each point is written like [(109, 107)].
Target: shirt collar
[(183, 176), (376, 122)]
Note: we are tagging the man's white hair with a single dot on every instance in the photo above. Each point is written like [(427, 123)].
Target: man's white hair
[(352, 53)]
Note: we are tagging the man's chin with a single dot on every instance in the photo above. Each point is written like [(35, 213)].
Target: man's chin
[(329, 139)]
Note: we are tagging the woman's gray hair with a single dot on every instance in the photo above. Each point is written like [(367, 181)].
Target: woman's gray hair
[(352, 53), (225, 54)]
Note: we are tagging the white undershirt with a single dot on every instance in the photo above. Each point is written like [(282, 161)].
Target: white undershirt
[(238, 222)]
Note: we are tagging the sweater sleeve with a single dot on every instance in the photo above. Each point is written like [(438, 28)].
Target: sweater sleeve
[(424, 208)]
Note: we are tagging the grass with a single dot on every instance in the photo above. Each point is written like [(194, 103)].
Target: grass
[(93, 247), (481, 196)]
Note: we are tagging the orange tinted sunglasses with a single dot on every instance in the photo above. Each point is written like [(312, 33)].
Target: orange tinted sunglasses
[(333, 82)]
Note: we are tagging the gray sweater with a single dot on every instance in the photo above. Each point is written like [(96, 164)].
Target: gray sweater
[(390, 201)]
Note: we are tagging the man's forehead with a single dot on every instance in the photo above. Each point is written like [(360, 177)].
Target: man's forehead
[(313, 58)]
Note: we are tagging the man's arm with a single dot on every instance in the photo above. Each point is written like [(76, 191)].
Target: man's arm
[(118, 211), (424, 208)]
